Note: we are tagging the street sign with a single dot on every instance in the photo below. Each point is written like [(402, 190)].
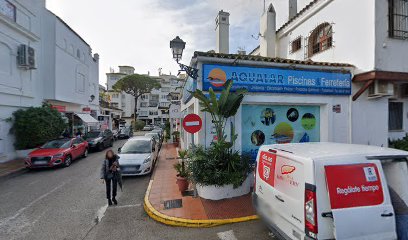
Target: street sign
[(192, 123)]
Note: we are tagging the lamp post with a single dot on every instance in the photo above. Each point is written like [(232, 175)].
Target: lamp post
[(177, 46)]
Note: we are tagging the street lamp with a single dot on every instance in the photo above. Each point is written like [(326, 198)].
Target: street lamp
[(177, 46)]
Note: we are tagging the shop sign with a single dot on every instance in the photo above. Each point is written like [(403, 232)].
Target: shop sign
[(190, 86), (266, 167), (59, 108), (276, 80), (361, 187), (86, 109)]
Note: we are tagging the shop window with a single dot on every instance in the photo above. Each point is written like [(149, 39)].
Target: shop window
[(398, 19), (296, 45), (320, 39), (395, 116)]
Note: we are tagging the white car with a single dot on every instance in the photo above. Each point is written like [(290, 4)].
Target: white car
[(332, 191), (137, 156)]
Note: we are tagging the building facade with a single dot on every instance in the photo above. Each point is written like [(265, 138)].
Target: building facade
[(43, 59), (153, 108)]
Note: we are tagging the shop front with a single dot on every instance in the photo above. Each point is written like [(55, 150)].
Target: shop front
[(78, 118), (285, 103)]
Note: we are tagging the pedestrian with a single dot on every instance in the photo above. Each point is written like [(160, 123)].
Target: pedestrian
[(65, 134), (111, 176), (78, 133)]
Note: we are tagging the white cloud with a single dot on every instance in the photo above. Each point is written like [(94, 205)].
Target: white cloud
[(137, 33)]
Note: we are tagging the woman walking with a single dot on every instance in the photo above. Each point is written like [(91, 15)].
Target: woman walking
[(111, 176)]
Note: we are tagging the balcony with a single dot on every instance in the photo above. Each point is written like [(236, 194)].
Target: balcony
[(164, 105), (153, 103)]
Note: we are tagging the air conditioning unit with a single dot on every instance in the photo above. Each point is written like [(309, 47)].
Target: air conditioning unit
[(397, 92), (380, 89), (26, 56)]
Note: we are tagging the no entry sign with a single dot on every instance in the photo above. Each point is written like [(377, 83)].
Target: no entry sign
[(192, 123)]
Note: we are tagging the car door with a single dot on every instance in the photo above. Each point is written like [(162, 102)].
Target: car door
[(105, 138), (360, 203), (76, 148)]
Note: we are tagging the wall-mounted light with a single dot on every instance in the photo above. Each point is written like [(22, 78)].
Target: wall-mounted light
[(92, 97), (177, 46)]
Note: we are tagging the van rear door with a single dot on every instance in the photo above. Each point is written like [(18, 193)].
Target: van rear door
[(360, 201)]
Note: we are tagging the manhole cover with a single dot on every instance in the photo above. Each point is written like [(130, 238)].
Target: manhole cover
[(188, 193), (175, 203)]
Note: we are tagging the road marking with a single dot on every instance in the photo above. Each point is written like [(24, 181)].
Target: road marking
[(100, 214), (228, 235), (128, 206), (34, 182)]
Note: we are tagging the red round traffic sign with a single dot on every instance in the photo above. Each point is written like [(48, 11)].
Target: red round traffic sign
[(192, 123)]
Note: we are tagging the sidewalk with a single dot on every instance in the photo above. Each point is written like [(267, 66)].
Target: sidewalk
[(194, 212), (11, 167)]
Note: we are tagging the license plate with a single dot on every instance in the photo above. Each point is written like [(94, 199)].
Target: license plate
[(130, 169), (40, 162)]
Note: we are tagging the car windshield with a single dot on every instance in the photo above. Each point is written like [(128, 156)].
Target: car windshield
[(60, 143), (136, 146), (93, 135)]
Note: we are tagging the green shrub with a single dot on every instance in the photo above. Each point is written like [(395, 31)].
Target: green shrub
[(138, 125), (218, 165), (401, 144), (35, 126), (167, 130)]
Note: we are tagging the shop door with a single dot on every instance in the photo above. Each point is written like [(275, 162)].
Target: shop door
[(271, 124)]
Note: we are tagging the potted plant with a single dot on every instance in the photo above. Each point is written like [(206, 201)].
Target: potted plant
[(220, 171), (176, 136), (182, 171)]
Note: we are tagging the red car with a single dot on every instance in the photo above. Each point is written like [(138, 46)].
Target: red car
[(59, 152)]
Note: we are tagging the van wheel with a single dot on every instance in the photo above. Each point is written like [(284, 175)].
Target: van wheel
[(68, 161)]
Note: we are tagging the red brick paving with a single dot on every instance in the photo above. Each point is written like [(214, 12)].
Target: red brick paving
[(164, 188)]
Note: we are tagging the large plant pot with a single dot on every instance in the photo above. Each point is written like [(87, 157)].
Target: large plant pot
[(226, 191), (24, 153), (182, 184)]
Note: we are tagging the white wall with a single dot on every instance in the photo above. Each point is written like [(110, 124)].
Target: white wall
[(19, 88)]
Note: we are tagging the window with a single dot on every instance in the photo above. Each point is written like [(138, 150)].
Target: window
[(398, 19), (395, 116), (78, 53), (296, 45), (144, 104), (165, 89), (163, 97), (320, 39), (8, 9)]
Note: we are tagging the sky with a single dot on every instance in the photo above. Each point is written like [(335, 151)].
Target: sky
[(138, 32)]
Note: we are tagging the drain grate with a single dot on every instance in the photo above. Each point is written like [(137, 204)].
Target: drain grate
[(174, 203), (188, 193)]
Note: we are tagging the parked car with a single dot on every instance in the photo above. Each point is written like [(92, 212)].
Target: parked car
[(99, 139), (160, 132), (148, 128), (126, 132), (58, 152), (332, 191), (137, 156), (115, 133), (156, 137)]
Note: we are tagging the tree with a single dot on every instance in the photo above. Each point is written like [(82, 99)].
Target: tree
[(34, 126), (136, 85), (221, 109)]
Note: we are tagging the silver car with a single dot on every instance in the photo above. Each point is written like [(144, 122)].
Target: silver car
[(137, 156)]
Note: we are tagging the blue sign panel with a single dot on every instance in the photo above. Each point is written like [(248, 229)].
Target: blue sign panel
[(276, 80)]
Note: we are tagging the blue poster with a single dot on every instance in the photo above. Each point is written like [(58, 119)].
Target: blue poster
[(276, 80), (271, 124)]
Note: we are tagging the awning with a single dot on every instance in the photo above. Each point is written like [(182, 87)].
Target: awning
[(87, 119)]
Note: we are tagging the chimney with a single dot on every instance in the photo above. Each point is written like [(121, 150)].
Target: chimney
[(222, 31), (268, 32), (292, 8)]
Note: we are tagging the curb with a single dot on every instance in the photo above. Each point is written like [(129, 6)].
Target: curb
[(182, 222), (13, 172)]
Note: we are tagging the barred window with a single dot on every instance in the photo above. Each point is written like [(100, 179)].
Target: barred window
[(320, 39), (398, 19), (296, 45), (395, 116)]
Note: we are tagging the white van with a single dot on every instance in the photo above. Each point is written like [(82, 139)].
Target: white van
[(332, 191)]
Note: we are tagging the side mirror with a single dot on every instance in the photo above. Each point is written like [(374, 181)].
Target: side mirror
[(119, 149)]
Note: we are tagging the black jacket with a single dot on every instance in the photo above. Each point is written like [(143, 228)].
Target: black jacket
[(105, 167)]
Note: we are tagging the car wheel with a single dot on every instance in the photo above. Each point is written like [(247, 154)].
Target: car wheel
[(68, 161), (85, 153), (100, 147)]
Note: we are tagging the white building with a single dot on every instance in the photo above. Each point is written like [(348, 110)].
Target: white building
[(123, 101), (153, 108), (318, 76), (59, 67)]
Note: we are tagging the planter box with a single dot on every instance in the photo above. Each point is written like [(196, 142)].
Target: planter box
[(227, 191), (21, 154)]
